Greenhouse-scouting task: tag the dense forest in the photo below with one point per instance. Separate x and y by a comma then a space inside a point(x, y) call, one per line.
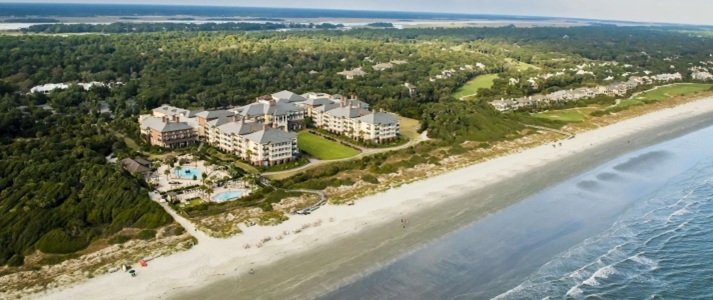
point(122, 27)
point(58, 192)
point(214, 69)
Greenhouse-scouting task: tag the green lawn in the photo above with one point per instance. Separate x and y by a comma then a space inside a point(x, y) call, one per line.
point(567, 116)
point(630, 102)
point(472, 86)
point(409, 127)
point(521, 65)
point(664, 93)
point(322, 148)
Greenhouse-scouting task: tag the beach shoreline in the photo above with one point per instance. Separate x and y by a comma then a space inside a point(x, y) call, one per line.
point(354, 240)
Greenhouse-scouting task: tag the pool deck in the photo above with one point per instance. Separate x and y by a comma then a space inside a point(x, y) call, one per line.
point(163, 183)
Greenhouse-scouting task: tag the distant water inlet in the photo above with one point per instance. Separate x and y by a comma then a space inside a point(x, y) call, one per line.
point(187, 173)
point(658, 249)
point(227, 196)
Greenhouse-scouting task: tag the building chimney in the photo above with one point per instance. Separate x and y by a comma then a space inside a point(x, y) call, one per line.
point(272, 102)
point(242, 120)
point(359, 105)
point(257, 99)
point(350, 104)
point(381, 110)
point(274, 125)
point(178, 119)
point(373, 111)
point(341, 104)
point(235, 118)
point(265, 127)
point(165, 119)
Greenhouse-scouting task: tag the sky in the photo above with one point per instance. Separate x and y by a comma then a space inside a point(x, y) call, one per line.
point(666, 11)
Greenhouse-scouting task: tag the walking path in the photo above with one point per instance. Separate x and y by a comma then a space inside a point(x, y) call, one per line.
point(366, 151)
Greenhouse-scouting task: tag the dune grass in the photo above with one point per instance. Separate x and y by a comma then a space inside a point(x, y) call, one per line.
point(322, 148)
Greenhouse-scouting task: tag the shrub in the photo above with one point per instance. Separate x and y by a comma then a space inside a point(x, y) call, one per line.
point(59, 242)
point(16, 260)
point(146, 234)
point(179, 230)
point(598, 113)
point(370, 179)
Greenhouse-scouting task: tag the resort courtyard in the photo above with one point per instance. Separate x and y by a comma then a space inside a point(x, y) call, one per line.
point(188, 182)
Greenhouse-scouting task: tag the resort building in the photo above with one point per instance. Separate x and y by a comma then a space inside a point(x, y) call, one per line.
point(168, 132)
point(209, 115)
point(356, 122)
point(255, 142)
point(281, 113)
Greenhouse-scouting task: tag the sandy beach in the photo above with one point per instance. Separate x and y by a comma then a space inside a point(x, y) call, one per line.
point(226, 261)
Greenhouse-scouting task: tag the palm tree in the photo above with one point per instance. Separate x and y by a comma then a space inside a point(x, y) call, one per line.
point(167, 172)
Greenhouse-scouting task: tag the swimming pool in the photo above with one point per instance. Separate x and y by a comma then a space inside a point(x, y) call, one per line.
point(225, 196)
point(187, 173)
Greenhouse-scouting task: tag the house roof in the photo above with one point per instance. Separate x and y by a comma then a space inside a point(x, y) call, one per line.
point(289, 96)
point(157, 123)
point(410, 86)
point(355, 103)
point(142, 161)
point(171, 110)
point(379, 118)
point(272, 136)
point(318, 101)
point(348, 112)
point(133, 167)
point(220, 121)
point(354, 72)
point(260, 108)
point(212, 114)
point(383, 66)
point(239, 128)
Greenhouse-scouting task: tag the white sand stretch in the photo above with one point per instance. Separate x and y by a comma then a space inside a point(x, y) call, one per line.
point(213, 259)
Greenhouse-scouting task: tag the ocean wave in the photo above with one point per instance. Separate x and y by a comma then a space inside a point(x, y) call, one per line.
point(641, 259)
point(574, 292)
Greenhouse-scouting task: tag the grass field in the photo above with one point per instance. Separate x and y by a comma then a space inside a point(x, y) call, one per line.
point(521, 65)
point(567, 116)
point(409, 127)
point(322, 148)
point(664, 93)
point(472, 86)
point(630, 102)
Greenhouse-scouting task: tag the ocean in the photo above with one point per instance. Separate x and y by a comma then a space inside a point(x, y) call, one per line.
point(636, 227)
